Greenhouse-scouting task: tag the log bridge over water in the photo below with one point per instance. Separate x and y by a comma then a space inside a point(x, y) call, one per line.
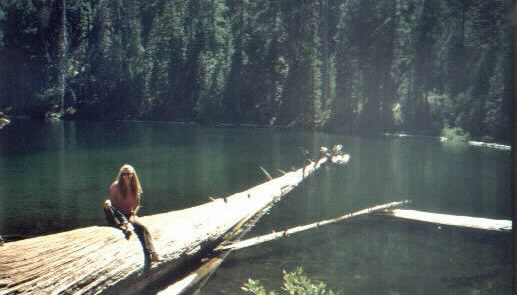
point(99, 259)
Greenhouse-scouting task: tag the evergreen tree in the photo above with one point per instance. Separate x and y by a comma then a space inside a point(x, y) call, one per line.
point(357, 66)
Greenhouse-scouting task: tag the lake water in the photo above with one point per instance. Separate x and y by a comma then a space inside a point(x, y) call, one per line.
point(54, 176)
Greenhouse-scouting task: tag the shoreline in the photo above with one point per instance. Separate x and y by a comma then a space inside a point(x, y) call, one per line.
point(397, 134)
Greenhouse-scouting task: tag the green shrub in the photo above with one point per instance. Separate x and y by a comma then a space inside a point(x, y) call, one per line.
point(295, 283)
point(455, 134)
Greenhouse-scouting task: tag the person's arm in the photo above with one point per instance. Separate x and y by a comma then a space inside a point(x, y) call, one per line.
point(135, 210)
point(111, 197)
point(113, 189)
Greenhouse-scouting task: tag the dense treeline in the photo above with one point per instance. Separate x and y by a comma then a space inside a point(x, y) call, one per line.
point(353, 66)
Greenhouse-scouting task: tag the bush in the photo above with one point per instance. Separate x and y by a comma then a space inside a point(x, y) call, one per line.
point(295, 283)
point(456, 134)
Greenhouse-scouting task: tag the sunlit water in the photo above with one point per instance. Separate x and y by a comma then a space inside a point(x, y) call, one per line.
point(55, 176)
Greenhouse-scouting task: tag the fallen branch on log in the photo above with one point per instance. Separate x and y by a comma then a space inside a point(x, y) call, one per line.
point(452, 220)
point(276, 235)
point(266, 173)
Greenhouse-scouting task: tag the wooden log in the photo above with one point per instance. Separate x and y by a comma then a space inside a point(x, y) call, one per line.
point(452, 220)
point(276, 235)
point(204, 271)
point(405, 135)
point(99, 259)
point(490, 145)
point(193, 283)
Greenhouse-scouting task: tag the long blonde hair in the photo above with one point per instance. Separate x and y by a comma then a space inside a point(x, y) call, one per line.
point(134, 185)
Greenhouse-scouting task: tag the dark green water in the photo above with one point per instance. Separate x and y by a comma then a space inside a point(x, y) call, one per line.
point(55, 176)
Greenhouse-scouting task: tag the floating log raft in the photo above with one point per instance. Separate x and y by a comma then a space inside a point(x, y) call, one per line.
point(452, 220)
point(99, 259)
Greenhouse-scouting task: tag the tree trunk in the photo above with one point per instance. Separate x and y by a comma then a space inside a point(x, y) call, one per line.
point(276, 235)
point(99, 259)
point(452, 220)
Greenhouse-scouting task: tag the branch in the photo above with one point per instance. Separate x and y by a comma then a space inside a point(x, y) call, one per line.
point(276, 235)
point(266, 173)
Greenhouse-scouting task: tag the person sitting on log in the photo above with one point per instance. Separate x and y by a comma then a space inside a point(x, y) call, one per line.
point(122, 206)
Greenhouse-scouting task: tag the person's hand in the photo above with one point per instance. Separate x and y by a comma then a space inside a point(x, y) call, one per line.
point(107, 204)
point(131, 218)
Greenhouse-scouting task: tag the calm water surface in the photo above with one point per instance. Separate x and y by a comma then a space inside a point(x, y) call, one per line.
point(54, 176)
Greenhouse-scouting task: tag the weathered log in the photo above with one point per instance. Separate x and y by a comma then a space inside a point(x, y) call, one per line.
point(490, 145)
point(405, 135)
point(202, 273)
point(452, 220)
point(193, 282)
point(99, 259)
point(276, 235)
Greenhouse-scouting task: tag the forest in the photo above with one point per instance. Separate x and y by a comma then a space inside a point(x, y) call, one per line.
point(348, 66)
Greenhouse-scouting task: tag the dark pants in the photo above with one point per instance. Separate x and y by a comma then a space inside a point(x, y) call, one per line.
point(117, 218)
